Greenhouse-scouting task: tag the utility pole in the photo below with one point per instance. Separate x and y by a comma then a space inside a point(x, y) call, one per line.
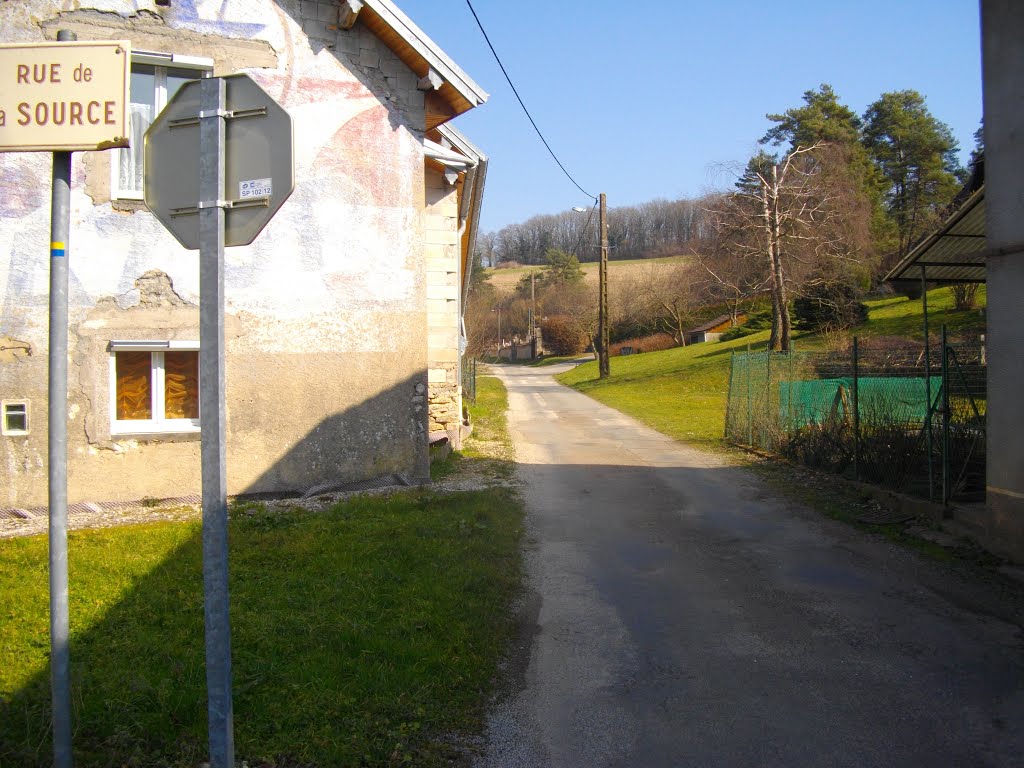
point(533, 307)
point(602, 314)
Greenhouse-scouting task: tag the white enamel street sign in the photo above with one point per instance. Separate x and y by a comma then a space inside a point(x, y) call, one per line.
point(64, 97)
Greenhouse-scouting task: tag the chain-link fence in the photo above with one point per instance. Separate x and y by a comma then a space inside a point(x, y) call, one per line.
point(468, 372)
point(886, 412)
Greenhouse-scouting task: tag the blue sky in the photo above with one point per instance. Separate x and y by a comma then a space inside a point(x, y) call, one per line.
point(647, 99)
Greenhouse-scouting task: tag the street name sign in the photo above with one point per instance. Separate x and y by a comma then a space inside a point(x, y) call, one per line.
point(259, 164)
point(64, 97)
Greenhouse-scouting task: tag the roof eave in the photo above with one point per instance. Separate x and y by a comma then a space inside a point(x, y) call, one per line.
point(433, 58)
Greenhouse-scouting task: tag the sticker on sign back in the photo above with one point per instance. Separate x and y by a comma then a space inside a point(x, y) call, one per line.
point(254, 188)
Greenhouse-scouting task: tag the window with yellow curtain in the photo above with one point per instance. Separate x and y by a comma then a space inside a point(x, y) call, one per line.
point(181, 385)
point(155, 389)
point(134, 385)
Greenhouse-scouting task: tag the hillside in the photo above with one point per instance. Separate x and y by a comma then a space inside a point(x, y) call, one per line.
point(505, 279)
point(682, 391)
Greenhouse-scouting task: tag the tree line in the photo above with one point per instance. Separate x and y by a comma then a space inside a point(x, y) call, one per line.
point(655, 228)
point(815, 218)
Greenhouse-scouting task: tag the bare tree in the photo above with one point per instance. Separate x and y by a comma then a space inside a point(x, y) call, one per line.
point(787, 213)
point(671, 295)
point(730, 274)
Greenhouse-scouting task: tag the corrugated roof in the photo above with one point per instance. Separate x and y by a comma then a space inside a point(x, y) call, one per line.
point(953, 254)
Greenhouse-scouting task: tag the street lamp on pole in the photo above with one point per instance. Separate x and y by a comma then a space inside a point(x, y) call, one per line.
point(498, 310)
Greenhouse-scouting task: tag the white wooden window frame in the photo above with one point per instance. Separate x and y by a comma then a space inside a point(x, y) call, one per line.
point(8, 407)
point(161, 62)
point(155, 426)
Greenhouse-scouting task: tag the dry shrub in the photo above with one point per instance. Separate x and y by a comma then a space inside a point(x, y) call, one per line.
point(964, 295)
point(563, 336)
point(888, 343)
point(836, 339)
point(653, 343)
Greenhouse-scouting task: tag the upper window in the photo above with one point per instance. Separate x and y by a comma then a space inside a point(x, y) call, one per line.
point(154, 81)
point(154, 386)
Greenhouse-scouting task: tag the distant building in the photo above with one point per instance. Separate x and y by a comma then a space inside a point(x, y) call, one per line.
point(713, 329)
point(343, 319)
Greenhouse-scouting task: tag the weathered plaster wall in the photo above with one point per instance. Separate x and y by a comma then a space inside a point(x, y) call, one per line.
point(326, 311)
point(441, 233)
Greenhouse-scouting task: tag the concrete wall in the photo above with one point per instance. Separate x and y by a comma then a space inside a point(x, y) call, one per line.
point(1003, 73)
point(443, 257)
point(326, 311)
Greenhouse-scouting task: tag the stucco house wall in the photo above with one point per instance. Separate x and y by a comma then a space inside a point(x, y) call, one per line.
point(327, 333)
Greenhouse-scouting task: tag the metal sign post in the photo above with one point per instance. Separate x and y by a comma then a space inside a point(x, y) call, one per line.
point(243, 150)
point(214, 467)
point(60, 98)
point(57, 447)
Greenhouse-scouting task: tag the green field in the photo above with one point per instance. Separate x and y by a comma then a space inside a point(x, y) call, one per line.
point(367, 634)
point(682, 392)
point(505, 279)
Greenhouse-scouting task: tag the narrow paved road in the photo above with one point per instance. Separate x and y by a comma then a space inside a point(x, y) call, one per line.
point(678, 614)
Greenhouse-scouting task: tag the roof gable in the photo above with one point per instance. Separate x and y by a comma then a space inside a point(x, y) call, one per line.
point(450, 91)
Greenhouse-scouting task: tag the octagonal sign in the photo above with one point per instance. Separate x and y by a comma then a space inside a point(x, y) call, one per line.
point(259, 162)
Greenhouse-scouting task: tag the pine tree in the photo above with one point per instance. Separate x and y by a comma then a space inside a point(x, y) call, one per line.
point(824, 120)
point(917, 156)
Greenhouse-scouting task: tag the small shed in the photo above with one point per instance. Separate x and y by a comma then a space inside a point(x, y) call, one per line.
point(713, 329)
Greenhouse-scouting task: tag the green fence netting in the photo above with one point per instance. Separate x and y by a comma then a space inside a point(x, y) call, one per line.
point(894, 414)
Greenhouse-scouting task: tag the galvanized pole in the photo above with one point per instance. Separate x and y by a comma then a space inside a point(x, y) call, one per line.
point(212, 421)
point(604, 366)
point(57, 439)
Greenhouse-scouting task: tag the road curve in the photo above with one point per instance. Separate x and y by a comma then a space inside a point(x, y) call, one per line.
point(678, 614)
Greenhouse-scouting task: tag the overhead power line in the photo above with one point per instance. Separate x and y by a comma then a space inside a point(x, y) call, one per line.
point(528, 115)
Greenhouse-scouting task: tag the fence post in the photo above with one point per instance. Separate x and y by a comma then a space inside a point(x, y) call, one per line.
point(789, 387)
point(768, 397)
point(927, 387)
point(856, 410)
point(750, 405)
point(945, 419)
point(728, 398)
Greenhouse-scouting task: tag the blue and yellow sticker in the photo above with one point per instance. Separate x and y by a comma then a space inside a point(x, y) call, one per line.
point(56, 249)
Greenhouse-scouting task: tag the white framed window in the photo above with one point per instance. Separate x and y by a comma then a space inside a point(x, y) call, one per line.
point(155, 78)
point(15, 417)
point(154, 387)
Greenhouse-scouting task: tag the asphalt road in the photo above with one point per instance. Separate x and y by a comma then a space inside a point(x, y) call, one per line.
point(679, 614)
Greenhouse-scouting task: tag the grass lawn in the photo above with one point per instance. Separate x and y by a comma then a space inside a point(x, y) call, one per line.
point(900, 316)
point(682, 392)
point(364, 635)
